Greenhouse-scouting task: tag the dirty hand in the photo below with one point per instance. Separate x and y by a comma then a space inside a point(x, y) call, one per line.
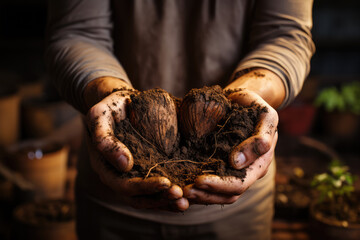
point(111, 157)
point(256, 152)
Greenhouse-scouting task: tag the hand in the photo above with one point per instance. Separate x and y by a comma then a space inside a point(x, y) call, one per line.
point(112, 157)
point(256, 152)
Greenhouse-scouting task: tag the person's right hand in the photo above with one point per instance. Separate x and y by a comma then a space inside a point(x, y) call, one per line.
point(110, 157)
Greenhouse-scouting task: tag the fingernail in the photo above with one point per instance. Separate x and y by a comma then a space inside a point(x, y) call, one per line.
point(239, 159)
point(122, 162)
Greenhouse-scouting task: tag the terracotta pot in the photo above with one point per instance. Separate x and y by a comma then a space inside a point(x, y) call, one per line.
point(41, 117)
point(43, 165)
point(9, 116)
point(31, 90)
point(6, 190)
point(70, 183)
point(47, 220)
point(341, 124)
point(297, 120)
point(323, 228)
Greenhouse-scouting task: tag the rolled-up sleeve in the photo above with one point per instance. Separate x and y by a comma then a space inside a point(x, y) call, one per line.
point(79, 46)
point(280, 41)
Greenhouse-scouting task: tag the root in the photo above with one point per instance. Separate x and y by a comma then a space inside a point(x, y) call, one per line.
point(218, 132)
point(214, 149)
point(159, 150)
point(222, 126)
point(171, 161)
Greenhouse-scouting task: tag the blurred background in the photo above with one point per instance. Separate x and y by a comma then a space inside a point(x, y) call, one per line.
point(38, 130)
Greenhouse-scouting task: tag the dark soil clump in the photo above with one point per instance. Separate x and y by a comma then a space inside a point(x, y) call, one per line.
point(159, 149)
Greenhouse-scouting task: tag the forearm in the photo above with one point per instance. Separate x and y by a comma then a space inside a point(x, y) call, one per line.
point(79, 47)
point(280, 41)
point(265, 83)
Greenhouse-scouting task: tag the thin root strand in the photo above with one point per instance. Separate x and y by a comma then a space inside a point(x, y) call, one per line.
point(171, 161)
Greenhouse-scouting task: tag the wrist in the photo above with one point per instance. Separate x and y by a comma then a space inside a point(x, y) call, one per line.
point(263, 82)
point(101, 87)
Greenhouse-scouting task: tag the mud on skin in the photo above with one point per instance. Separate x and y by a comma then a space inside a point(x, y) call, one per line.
point(186, 155)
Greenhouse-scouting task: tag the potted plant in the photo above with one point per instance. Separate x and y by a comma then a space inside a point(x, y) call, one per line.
point(43, 164)
point(335, 212)
point(342, 109)
point(47, 219)
point(9, 115)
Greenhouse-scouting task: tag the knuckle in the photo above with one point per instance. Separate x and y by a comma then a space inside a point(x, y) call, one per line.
point(262, 145)
point(104, 144)
point(232, 200)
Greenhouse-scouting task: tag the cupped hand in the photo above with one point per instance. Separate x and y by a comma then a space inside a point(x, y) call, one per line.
point(256, 153)
point(110, 157)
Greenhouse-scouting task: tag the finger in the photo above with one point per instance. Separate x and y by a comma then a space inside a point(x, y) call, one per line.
point(179, 205)
point(259, 167)
point(244, 97)
point(101, 125)
point(126, 186)
point(174, 192)
point(233, 185)
point(197, 196)
point(258, 144)
point(114, 105)
point(222, 185)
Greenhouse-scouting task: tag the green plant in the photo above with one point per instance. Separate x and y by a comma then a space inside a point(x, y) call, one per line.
point(338, 182)
point(335, 190)
point(347, 98)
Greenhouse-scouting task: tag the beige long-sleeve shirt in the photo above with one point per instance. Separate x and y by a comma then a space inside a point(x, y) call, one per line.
point(176, 45)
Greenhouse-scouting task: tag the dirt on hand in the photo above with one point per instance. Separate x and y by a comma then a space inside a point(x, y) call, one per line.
point(183, 138)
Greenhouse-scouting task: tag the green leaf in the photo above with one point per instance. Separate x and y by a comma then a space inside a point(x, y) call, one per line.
point(349, 179)
point(336, 183)
point(347, 99)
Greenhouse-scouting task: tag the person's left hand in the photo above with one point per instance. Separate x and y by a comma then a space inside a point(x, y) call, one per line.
point(256, 153)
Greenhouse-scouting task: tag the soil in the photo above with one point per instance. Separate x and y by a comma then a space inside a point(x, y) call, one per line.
point(188, 155)
point(46, 212)
point(292, 201)
point(343, 209)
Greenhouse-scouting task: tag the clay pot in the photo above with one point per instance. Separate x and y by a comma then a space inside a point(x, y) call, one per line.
point(6, 190)
point(44, 165)
point(30, 90)
point(298, 159)
point(9, 116)
point(70, 183)
point(344, 124)
point(297, 120)
point(324, 228)
point(41, 117)
point(47, 220)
